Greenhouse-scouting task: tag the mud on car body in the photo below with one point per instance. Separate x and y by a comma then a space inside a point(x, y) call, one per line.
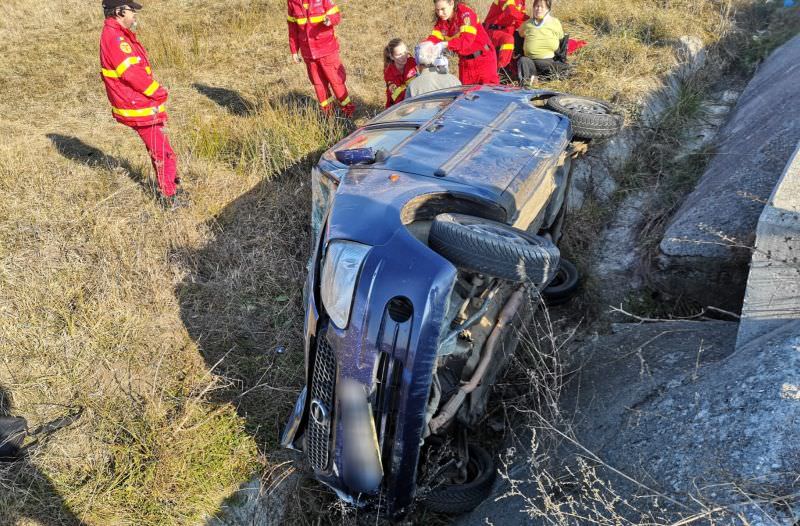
point(432, 223)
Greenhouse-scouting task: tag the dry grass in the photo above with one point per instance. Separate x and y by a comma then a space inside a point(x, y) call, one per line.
point(163, 326)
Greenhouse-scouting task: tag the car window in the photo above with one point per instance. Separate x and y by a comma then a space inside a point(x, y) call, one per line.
point(380, 139)
point(419, 111)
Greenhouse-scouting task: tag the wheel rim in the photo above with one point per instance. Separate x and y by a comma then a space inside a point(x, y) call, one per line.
point(499, 233)
point(584, 106)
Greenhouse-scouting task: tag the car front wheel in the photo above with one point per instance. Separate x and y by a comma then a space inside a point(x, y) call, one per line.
point(493, 248)
point(460, 497)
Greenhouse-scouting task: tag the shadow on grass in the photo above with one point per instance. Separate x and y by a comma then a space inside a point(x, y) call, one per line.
point(229, 99)
point(76, 150)
point(242, 301)
point(242, 304)
point(27, 494)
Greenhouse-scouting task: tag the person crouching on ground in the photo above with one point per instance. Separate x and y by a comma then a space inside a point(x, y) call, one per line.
point(398, 70)
point(542, 36)
point(137, 100)
point(458, 29)
point(433, 73)
point(312, 40)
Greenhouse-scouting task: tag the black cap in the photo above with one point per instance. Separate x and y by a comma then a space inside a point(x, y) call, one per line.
point(112, 4)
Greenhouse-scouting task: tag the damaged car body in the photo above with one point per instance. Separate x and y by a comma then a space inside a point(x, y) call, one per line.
point(433, 224)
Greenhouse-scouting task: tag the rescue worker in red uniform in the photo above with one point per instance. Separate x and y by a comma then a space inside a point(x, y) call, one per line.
point(399, 69)
point(502, 20)
point(312, 37)
point(458, 29)
point(137, 100)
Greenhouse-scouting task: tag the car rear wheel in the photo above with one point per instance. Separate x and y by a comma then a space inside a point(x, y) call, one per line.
point(493, 248)
point(564, 285)
point(590, 118)
point(455, 498)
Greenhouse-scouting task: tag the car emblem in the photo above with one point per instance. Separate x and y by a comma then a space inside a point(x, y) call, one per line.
point(319, 413)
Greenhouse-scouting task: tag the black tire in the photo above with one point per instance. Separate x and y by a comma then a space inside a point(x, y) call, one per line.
point(493, 248)
point(461, 498)
point(590, 118)
point(564, 285)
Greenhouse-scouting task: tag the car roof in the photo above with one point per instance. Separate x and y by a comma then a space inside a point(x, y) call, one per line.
point(475, 135)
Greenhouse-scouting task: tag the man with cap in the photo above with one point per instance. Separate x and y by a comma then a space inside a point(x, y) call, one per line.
point(137, 100)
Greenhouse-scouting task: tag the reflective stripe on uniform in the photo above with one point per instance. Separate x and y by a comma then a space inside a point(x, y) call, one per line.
point(468, 29)
point(509, 3)
point(144, 112)
point(326, 102)
point(151, 88)
point(345, 102)
point(399, 90)
point(148, 70)
point(437, 34)
point(507, 47)
point(122, 68)
point(314, 19)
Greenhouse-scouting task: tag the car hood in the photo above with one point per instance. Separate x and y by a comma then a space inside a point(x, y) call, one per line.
point(369, 202)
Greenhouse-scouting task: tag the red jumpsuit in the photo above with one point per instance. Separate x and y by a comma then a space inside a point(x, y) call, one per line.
point(465, 36)
point(502, 20)
point(137, 100)
point(396, 82)
point(317, 43)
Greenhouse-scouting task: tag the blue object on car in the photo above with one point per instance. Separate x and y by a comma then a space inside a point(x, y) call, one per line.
point(356, 156)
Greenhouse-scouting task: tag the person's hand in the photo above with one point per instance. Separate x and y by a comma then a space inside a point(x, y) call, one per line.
point(327, 21)
point(163, 95)
point(440, 47)
point(296, 58)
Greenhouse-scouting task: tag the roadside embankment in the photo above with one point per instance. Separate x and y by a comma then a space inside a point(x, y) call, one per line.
point(706, 249)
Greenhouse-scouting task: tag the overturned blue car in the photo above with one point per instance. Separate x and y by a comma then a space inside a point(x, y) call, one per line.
point(435, 223)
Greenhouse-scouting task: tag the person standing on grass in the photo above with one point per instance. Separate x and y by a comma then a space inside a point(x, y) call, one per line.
point(398, 70)
point(137, 100)
point(542, 36)
point(312, 40)
point(502, 20)
point(458, 29)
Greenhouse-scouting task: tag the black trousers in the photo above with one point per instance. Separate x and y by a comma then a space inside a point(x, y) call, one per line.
point(527, 68)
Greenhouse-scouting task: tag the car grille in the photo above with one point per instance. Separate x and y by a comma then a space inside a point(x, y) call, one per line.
point(323, 383)
point(390, 372)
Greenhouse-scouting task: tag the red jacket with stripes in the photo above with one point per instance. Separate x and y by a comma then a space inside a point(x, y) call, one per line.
point(396, 81)
point(136, 98)
point(463, 32)
point(308, 33)
point(507, 14)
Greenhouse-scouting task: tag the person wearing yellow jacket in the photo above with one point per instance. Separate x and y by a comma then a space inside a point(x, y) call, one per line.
point(542, 35)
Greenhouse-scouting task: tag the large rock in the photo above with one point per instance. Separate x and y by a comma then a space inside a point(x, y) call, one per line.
point(706, 249)
point(678, 408)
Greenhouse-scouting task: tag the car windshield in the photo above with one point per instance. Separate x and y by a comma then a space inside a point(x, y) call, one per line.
point(420, 111)
point(380, 139)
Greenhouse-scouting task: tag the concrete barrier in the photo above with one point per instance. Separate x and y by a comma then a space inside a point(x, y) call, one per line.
point(705, 251)
point(772, 297)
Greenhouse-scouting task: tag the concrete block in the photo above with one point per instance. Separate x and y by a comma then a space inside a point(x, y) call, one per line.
point(772, 299)
point(706, 248)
